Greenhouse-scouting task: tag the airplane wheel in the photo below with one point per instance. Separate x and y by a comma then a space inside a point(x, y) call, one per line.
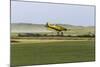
point(61, 33)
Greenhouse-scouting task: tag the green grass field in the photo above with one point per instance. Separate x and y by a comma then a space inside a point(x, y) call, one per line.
point(52, 52)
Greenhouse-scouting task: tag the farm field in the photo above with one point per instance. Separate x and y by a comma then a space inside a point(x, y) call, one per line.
point(33, 52)
point(44, 47)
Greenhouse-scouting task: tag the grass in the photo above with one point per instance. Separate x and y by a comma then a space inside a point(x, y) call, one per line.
point(52, 52)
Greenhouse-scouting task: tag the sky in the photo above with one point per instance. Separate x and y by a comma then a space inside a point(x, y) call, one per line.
point(41, 13)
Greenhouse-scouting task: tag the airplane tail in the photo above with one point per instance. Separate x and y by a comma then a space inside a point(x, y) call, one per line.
point(47, 24)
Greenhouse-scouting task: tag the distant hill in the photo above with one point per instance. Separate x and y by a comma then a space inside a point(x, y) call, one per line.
point(37, 28)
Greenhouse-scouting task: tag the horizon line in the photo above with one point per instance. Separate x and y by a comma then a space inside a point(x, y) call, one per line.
point(54, 23)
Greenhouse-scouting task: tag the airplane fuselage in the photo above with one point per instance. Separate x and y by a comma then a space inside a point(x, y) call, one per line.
point(56, 27)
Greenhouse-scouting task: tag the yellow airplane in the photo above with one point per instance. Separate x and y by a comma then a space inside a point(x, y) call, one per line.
point(57, 28)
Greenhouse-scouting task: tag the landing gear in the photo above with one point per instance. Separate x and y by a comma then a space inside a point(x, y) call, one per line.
point(59, 33)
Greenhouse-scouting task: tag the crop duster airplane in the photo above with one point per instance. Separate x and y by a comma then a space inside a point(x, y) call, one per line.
point(57, 28)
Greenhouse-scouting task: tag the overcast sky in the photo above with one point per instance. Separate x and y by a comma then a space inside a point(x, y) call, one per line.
point(40, 13)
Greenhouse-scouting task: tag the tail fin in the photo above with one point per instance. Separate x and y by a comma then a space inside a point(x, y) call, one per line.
point(47, 24)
